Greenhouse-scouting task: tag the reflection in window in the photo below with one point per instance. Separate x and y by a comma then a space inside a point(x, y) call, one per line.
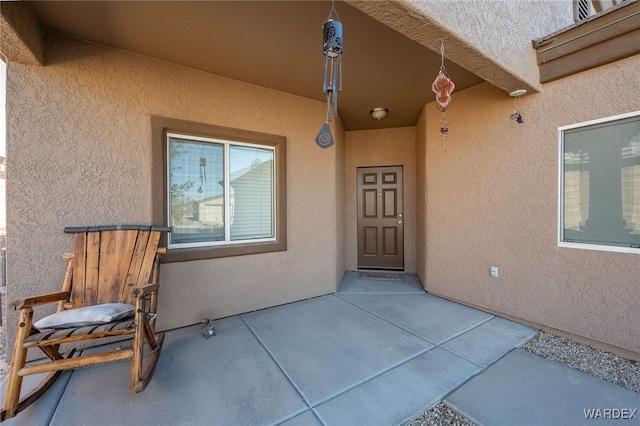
point(601, 183)
point(220, 191)
point(583, 9)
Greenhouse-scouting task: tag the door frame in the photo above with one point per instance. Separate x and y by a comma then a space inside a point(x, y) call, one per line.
point(386, 220)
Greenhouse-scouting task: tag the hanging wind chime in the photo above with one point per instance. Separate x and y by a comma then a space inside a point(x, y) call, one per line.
point(332, 47)
point(443, 87)
point(203, 172)
point(516, 112)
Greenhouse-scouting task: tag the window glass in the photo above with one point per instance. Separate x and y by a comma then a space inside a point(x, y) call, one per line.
point(252, 192)
point(220, 191)
point(601, 183)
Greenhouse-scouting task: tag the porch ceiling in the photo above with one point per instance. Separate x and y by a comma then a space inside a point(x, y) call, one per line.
point(276, 44)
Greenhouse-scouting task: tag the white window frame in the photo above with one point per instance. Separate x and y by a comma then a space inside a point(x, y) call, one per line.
point(227, 144)
point(583, 246)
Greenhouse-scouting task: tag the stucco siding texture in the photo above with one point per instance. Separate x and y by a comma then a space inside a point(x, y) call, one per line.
point(501, 29)
point(79, 139)
point(492, 200)
point(376, 148)
point(492, 38)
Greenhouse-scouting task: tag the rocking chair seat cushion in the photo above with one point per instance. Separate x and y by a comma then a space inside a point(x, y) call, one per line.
point(89, 315)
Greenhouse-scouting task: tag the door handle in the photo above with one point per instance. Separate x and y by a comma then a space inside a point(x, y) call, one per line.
point(399, 222)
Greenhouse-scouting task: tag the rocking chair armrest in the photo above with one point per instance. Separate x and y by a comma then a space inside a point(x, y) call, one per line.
point(144, 290)
point(39, 300)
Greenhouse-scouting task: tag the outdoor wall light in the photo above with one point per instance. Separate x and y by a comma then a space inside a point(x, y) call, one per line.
point(516, 115)
point(379, 113)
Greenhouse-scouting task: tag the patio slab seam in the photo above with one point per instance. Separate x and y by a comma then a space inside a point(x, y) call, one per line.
point(369, 378)
point(437, 344)
point(464, 357)
point(351, 386)
point(522, 385)
point(67, 380)
point(465, 331)
point(284, 372)
point(440, 345)
point(479, 372)
point(382, 293)
point(484, 367)
point(316, 404)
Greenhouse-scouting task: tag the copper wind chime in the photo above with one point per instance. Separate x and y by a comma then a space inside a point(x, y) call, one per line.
point(332, 46)
point(443, 87)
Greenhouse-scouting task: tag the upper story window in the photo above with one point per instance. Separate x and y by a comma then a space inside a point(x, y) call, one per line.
point(222, 190)
point(600, 184)
point(582, 9)
point(609, 35)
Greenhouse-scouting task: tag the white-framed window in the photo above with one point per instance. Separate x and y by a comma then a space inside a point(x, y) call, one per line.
point(583, 9)
point(599, 184)
point(220, 192)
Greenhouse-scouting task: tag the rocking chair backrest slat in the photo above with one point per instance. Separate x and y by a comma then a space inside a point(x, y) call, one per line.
point(136, 263)
point(148, 260)
point(115, 261)
point(79, 267)
point(110, 261)
point(91, 268)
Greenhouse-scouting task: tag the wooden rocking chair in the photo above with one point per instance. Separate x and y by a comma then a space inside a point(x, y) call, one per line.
point(110, 264)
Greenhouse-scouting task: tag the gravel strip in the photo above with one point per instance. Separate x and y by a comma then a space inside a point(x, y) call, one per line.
point(596, 362)
point(441, 415)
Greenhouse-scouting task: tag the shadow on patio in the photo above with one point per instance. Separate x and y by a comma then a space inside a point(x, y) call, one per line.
point(375, 352)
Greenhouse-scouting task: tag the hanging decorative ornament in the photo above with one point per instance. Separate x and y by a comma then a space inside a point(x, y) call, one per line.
point(444, 131)
point(203, 172)
point(324, 138)
point(332, 46)
point(516, 112)
point(443, 87)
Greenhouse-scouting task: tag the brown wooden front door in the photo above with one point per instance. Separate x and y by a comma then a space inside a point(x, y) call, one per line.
point(380, 218)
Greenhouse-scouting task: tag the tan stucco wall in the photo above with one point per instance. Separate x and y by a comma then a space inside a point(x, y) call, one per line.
point(79, 139)
point(490, 38)
point(492, 199)
point(501, 30)
point(388, 147)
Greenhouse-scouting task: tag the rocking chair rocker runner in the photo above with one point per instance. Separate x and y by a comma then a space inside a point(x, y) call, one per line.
point(109, 264)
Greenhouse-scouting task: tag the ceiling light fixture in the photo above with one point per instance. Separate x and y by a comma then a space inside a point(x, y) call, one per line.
point(379, 113)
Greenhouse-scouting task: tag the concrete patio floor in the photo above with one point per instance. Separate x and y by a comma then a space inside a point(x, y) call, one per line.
point(377, 352)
